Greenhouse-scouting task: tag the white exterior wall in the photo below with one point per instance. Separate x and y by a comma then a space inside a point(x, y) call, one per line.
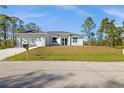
point(47, 40)
point(42, 40)
point(31, 40)
point(59, 40)
point(78, 43)
point(53, 43)
point(18, 41)
point(69, 41)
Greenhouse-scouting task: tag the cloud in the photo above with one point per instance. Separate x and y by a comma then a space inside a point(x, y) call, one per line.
point(67, 7)
point(34, 15)
point(75, 9)
point(29, 11)
point(114, 12)
point(31, 15)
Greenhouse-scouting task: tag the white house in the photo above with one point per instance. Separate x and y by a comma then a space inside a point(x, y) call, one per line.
point(52, 38)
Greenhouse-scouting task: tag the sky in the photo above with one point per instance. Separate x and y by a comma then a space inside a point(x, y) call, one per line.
point(64, 18)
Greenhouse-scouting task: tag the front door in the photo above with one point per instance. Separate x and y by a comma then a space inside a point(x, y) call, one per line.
point(64, 41)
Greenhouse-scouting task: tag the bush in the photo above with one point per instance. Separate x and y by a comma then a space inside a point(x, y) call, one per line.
point(9, 44)
point(101, 43)
point(1, 47)
point(119, 47)
point(85, 42)
point(90, 43)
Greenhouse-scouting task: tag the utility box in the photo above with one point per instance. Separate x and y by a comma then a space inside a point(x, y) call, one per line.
point(123, 51)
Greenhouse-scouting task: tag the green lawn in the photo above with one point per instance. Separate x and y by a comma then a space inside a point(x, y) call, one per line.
point(72, 53)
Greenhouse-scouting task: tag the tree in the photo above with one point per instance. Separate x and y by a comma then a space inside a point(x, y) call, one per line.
point(92, 35)
point(111, 32)
point(1, 35)
point(108, 27)
point(14, 25)
point(123, 24)
point(21, 27)
point(3, 6)
point(103, 29)
point(4, 25)
point(99, 36)
point(88, 26)
point(32, 26)
point(118, 35)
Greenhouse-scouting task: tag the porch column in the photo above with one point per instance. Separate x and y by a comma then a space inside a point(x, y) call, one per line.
point(69, 41)
point(60, 40)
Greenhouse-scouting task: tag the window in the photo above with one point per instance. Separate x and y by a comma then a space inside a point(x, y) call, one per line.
point(54, 40)
point(74, 40)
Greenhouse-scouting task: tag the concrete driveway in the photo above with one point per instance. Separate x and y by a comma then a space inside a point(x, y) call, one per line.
point(63, 74)
point(11, 52)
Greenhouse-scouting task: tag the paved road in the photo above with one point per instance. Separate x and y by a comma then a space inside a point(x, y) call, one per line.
point(61, 74)
point(11, 51)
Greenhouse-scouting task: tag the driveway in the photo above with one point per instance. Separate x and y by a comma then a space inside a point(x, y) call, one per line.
point(11, 52)
point(61, 74)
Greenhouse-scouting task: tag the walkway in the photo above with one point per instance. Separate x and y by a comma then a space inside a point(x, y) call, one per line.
point(11, 51)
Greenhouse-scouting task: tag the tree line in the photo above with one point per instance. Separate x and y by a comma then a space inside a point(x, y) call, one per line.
point(107, 34)
point(10, 25)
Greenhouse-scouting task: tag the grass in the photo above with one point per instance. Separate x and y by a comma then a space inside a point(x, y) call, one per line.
point(2, 47)
point(72, 53)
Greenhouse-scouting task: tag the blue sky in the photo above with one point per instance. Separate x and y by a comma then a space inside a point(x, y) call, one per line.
point(65, 18)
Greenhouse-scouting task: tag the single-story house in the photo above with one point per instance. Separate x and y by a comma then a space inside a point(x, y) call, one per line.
point(51, 38)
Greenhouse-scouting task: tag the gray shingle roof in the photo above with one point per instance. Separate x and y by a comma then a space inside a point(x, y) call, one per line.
point(32, 31)
point(62, 33)
point(54, 33)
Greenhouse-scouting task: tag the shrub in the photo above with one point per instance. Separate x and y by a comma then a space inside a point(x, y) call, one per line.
point(85, 42)
point(119, 47)
point(101, 43)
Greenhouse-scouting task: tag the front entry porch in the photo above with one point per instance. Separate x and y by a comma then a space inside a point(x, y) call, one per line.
point(64, 41)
